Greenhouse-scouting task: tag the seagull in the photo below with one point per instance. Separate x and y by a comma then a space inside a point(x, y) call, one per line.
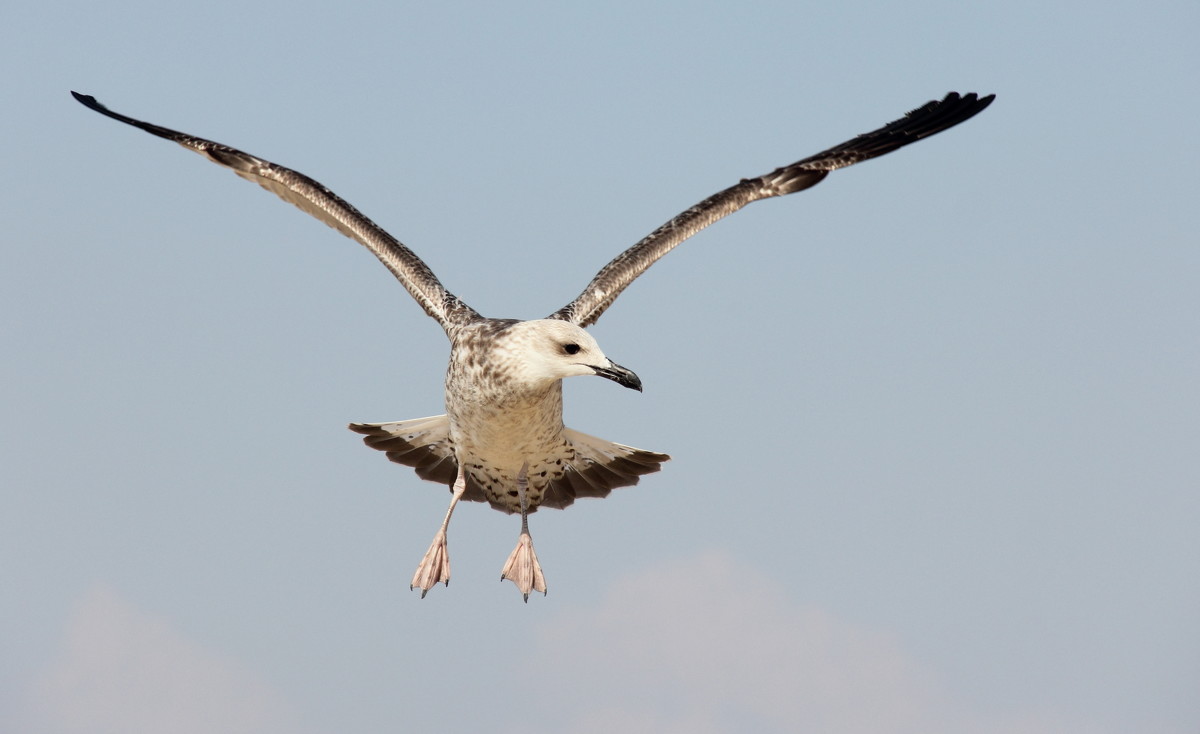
point(502, 438)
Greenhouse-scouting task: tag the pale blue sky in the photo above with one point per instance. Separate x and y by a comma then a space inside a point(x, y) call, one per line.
point(934, 422)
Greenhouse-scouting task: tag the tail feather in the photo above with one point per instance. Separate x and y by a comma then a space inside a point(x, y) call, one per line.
point(422, 443)
point(598, 468)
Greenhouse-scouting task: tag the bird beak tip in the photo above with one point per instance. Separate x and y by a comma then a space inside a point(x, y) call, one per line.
point(620, 375)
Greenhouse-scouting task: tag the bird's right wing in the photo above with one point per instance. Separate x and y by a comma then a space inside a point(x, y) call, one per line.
point(310, 196)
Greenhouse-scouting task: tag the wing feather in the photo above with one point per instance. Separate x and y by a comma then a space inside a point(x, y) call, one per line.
point(929, 119)
point(313, 198)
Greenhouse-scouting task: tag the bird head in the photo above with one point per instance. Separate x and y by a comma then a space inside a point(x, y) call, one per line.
point(549, 349)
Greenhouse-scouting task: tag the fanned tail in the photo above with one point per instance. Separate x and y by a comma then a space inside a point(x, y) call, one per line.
point(422, 443)
point(599, 467)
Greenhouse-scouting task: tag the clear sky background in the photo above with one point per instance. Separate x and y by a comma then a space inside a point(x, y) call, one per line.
point(934, 423)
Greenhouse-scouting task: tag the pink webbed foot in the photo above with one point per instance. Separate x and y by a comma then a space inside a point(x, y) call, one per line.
point(434, 567)
point(523, 568)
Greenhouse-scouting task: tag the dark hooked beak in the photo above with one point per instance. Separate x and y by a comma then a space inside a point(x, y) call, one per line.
point(619, 375)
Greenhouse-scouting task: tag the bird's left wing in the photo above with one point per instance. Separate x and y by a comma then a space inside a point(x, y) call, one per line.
point(929, 119)
point(296, 188)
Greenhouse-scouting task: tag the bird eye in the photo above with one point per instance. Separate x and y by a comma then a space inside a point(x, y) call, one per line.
point(571, 348)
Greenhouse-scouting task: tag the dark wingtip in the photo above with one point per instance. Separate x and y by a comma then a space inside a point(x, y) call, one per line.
point(971, 100)
point(983, 101)
point(86, 100)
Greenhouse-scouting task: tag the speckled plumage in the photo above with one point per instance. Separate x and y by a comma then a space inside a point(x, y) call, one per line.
point(502, 439)
point(501, 414)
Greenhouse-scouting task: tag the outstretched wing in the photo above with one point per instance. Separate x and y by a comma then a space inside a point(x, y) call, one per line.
point(312, 197)
point(929, 119)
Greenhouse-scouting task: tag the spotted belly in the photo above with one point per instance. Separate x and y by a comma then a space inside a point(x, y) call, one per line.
point(498, 480)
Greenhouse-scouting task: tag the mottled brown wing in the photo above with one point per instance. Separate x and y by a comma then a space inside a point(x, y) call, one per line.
point(929, 119)
point(313, 198)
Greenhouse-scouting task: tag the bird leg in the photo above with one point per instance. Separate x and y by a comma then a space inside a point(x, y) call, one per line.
point(435, 566)
point(523, 568)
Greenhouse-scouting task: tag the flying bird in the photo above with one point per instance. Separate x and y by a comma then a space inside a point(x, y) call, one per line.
point(502, 438)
